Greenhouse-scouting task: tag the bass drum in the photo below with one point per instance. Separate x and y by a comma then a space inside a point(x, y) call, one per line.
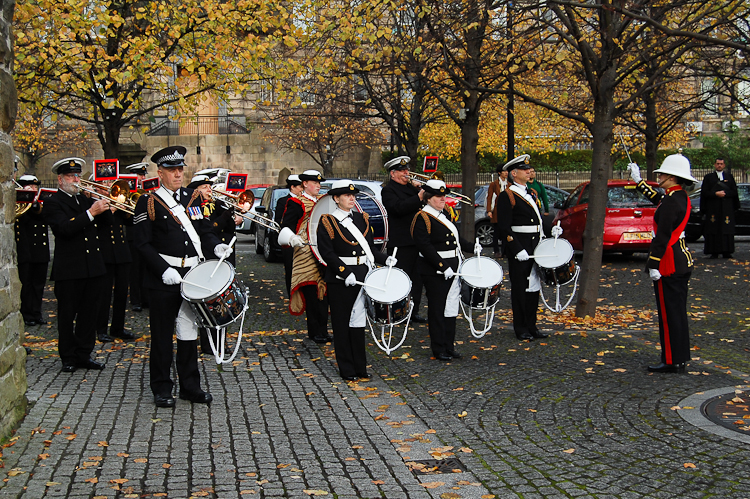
point(365, 203)
point(481, 278)
point(554, 258)
point(387, 303)
point(223, 302)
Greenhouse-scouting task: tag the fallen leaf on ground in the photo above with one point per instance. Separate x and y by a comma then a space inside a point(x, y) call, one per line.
point(569, 451)
point(432, 485)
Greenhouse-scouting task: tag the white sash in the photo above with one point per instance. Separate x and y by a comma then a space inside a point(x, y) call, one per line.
point(454, 293)
point(179, 211)
point(521, 191)
point(440, 216)
point(348, 222)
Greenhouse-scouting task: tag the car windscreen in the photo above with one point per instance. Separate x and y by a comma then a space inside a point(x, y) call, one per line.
point(626, 197)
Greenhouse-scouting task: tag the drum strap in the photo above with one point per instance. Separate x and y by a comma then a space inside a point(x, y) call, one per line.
point(178, 211)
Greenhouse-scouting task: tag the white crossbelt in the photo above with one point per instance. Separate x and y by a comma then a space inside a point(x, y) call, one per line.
point(174, 261)
point(354, 260)
point(525, 229)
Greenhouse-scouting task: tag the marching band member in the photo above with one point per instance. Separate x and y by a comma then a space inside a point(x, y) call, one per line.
point(169, 228)
point(402, 200)
point(521, 229)
point(78, 267)
point(439, 245)
point(670, 262)
point(294, 184)
point(308, 288)
point(138, 298)
point(32, 248)
point(346, 245)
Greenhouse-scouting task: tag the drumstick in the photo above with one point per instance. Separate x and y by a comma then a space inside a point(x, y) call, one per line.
point(221, 259)
point(390, 267)
point(193, 284)
point(542, 256)
point(369, 285)
point(554, 245)
point(479, 260)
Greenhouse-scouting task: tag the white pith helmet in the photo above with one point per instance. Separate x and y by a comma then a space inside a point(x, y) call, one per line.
point(677, 165)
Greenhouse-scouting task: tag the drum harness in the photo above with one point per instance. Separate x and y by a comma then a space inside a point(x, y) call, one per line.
point(489, 311)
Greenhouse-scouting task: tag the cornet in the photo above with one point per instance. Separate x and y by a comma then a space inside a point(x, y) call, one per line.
point(420, 177)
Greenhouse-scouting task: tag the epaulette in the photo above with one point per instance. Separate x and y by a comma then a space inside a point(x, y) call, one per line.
point(427, 222)
point(150, 208)
point(326, 221)
point(511, 197)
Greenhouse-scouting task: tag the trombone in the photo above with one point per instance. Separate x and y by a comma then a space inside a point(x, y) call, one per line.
point(119, 194)
point(420, 177)
point(237, 201)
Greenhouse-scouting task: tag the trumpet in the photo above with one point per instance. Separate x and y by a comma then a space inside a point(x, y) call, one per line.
point(420, 177)
point(119, 194)
point(237, 201)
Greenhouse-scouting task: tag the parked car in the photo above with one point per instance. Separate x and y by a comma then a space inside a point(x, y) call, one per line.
point(484, 229)
point(628, 221)
point(694, 229)
point(248, 226)
point(266, 241)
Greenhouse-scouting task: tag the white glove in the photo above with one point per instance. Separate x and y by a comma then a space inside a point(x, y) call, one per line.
point(477, 248)
point(296, 241)
point(635, 172)
point(557, 231)
point(449, 273)
point(350, 280)
point(654, 274)
point(522, 256)
point(222, 250)
point(170, 277)
point(391, 261)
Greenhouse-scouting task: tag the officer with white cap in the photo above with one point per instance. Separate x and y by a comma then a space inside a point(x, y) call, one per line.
point(670, 262)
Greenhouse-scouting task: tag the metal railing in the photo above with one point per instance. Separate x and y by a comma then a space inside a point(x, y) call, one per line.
point(200, 125)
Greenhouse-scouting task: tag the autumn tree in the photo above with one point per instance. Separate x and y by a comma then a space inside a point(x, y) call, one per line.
point(113, 64)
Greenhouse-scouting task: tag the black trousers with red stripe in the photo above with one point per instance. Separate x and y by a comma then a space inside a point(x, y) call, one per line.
point(671, 302)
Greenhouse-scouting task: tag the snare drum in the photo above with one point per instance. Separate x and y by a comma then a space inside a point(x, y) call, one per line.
point(481, 278)
point(391, 303)
point(555, 261)
point(223, 303)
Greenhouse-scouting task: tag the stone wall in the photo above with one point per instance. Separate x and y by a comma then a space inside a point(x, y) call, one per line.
point(12, 353)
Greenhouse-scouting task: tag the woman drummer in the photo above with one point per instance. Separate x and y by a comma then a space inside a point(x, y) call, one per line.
point(437, 240)
point(345, 243)
point(669, 261)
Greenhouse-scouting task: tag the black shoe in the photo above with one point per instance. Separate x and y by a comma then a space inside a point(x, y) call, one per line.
point(714, 257)
point(668, 368)
point(104, 338)
point(29, 323)
point(364, 375)
point(136, 308)
point(538, 334)
point(419, 319)
point(91, 364)
point(40, 321)
point(164, 400)
point(197, 398)
point(524, 336)
point(443, 356)
point(323, 339)
point(349, 378)
point(727, 255)
point(28, 351)
point(68, 368)
point(455, 354)
point(123, 335)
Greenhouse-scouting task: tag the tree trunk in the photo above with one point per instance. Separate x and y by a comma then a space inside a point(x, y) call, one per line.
point(109, 137)
point(469, 167)
point(651, 134)
point(601, 170)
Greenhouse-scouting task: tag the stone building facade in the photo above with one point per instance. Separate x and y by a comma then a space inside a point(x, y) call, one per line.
point(12, 353)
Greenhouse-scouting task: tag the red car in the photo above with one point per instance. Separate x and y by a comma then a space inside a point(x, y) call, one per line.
point(628, 223)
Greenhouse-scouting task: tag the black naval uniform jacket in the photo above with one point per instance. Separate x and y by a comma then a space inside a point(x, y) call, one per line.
point(671, 212)
point(113, 238)
point(164, 235)
point(516, 211)
point(77, 253)
point(402, 203)
point(32, 238)
point(431, 236)
point(335, 240)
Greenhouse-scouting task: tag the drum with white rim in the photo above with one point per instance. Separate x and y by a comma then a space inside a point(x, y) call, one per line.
point(217, 301)
point(481, 279)
point(387, 295)
point(554, 258)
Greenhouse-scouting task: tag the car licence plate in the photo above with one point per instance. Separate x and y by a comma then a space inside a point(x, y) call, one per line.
point(636, 236)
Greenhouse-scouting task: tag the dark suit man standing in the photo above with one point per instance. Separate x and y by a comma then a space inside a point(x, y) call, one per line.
point(402, 201)
point(78, 266)
point(169, 226)
point(521, 230)
point(32, 248)
point(719, 200)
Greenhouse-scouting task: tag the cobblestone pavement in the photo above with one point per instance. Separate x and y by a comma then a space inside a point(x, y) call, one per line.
point(575, 415)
